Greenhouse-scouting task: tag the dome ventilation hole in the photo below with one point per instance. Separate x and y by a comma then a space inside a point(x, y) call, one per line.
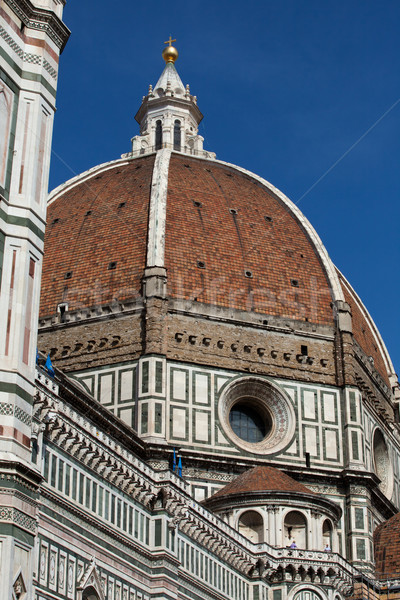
point(112, 265)
point(187, 166)
point(233, 211)
point(121, 204)
point(88, 212)
point(268, 219)
point(68, 275)
point(55, 221)
point(201, 264)
point(248, 274)
point(197, 204)
point(294, 282)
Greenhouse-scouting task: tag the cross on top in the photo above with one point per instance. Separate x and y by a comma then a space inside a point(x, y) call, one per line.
point(169, 42)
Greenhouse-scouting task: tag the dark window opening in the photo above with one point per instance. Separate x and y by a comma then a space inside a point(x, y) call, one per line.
point(248, 423)
point(177, 135)
point(62, 309)
point(308, 460)
point(304, 351)
point(158, 135)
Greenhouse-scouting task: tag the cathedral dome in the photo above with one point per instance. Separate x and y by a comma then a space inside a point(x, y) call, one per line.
point(213, 239)
point(228, 239)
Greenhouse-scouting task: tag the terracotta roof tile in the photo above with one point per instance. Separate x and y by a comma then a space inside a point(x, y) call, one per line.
point(262, 479)
point(387, 547)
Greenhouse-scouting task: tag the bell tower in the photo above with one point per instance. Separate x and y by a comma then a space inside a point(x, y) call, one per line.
point(32, 38)
point(169, 116)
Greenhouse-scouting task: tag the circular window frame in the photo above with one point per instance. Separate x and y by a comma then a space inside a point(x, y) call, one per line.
point(383, 471)
point(270, 399)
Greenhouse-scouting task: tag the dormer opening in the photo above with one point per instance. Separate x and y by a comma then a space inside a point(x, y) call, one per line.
point(158, 135)
point(177, 135)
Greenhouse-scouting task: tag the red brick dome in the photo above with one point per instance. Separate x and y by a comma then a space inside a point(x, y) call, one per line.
point(228, 239)
point(387, 548)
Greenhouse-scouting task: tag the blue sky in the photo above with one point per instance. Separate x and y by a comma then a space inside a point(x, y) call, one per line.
point(295, 91)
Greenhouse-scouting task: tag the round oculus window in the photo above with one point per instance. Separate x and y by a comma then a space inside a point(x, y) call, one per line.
point(256, 415)
point(249, 422)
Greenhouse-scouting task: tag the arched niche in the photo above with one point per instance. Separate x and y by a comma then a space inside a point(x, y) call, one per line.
point(90, 593)
point(251, 525)
point(307, 595)
point(295, 529)
point(327, 531)
point(382, 463)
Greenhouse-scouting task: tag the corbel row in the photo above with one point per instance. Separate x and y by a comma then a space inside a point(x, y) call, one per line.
point(296, 573)
point(107, 466)
point(204, 534)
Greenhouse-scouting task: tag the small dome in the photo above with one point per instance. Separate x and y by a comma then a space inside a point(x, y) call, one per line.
point(262, 479)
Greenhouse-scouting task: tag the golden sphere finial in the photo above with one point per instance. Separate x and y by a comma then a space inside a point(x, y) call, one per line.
point(170, 54)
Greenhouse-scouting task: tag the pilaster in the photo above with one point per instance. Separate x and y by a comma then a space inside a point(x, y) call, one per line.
point(33, 36)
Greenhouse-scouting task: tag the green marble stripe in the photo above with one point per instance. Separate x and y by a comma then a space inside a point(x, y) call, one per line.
point(13, 388)
point(15, 532)
point(22, 222)
point(27, 75)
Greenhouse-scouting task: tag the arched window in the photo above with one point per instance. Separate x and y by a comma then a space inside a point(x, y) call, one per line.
point(158, 135)
point(327, 534)
point(307, 595)
point(177, 135)
point(251, 525)
point(295, 530)
point(248, 422)
point(90, 594)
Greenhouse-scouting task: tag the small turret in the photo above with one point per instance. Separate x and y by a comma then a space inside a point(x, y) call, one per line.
point(169, 116)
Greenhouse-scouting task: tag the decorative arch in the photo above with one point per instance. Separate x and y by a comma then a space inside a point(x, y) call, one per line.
point(90, 586)
point(311, 592)
point(327, 533)
point(251, 525)
point(90, 593)
point(295, 529)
